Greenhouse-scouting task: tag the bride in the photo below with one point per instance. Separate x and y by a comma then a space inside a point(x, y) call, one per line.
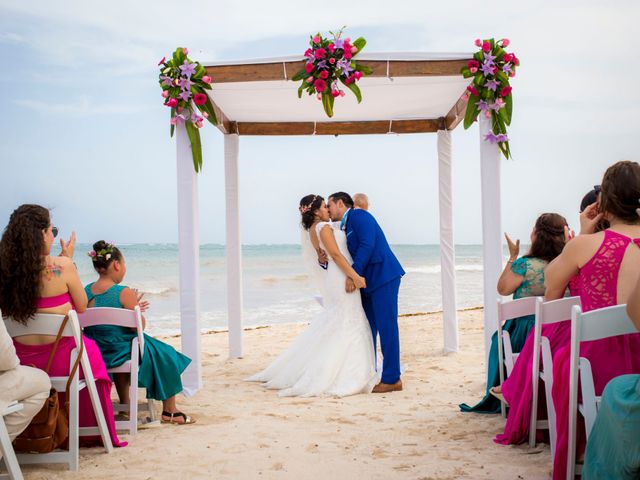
point(334, 355)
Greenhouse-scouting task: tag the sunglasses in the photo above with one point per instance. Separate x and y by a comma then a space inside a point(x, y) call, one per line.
point(54, 230)
point(597, 188)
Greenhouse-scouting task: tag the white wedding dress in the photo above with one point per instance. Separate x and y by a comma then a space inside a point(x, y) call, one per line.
point(334, 355)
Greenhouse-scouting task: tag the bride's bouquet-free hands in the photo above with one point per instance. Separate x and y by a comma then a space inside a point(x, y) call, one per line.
point(352, 284)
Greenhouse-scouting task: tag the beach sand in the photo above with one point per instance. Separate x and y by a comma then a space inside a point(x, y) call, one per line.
point(245, 432)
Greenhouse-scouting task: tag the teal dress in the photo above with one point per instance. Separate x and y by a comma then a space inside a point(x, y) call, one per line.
point(161, 364)
point(532, 269)
point(613, 449)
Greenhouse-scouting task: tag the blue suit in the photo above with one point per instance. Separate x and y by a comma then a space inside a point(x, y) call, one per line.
point(374, 260)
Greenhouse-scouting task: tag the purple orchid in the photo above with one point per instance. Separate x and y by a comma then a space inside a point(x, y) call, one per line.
point(502, 138)
point(345, 65)
point(489, 58)
point(491, 84)
point(483, 106)
point(487, 68)
point(339, 43)
point(490, 137)
point(497, 105)
point(506, 67)
point(187, 69)
point(185, 83)
point(185, 95)
point(322, 64)
point(166, 80)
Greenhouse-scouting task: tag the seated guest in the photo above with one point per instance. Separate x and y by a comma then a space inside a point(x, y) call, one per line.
point(517, 390)
point(522, 277)
point(32, 281)
point(606, 263)
point(613, 449)
point(27, 385)
point(161, 365)
point(361, 201)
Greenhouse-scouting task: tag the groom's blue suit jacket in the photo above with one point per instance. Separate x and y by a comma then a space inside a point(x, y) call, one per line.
point(372, 257)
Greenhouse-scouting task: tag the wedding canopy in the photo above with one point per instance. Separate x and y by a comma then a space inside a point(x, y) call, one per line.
point(406, 93)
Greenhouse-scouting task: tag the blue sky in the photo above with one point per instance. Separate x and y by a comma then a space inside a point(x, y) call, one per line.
point(83, 129)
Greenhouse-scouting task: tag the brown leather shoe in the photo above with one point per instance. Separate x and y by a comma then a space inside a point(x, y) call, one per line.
point(388, 387)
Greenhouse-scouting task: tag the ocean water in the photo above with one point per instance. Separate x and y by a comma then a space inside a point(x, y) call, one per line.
point(276, 287)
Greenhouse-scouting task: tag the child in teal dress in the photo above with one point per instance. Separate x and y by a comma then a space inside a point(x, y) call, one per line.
point(161, 364)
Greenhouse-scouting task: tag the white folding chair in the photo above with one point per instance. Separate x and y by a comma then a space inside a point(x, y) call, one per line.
point(546, 313)
point(585, 327)
point(130, 319)
point(6, 449)
point(49, 324)
point(508, 309)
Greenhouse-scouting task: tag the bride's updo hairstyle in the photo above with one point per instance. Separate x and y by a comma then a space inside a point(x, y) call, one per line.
point(103, 254)
point(621, 191)
point(309, 205)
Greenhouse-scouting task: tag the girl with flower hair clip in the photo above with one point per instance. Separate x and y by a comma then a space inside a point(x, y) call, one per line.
point(161, 365)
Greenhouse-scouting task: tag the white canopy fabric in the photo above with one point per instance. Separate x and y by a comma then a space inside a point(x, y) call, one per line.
point(428, 96)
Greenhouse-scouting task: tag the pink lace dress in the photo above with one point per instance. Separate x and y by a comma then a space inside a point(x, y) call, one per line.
point(609, 357)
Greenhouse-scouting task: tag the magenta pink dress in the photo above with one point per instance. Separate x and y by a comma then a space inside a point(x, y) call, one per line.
point(38, 356)
point(609, 357)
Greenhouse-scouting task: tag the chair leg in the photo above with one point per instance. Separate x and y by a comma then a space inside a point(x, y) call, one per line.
point(8, 455)
point(74, 427)
point(95, 402)
point(133, 406)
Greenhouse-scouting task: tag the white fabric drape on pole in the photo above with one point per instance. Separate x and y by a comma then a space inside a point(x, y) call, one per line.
point(189, 257)
point(490, 159)
point(234, 249)
point(447, 246)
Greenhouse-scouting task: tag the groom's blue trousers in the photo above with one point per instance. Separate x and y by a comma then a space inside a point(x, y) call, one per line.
point(381, 307)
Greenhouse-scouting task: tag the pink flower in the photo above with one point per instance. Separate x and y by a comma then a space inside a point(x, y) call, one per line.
point(319, 85)
point(180, 109)
point(199, 99)
point(486, 47)
point(310, 79)
point(316, 39)
point(348, 55)
point(332, 60)
point(173, 121)
point(324, 74)
point(473, 69)
point(347, 40)
point(512, 73)
point(354, 49)
point(199, 124)
point(165, 93)
point(186, 51)
point(172, 102)
point(473, 63)
point(331, 47)
point(205, 114)
point(472, 90)
point(516, 61)
point(320, 53)
point(307, 52)
point(487, 113)
point(478, 42)
point(358, 75)
point(505, 91)
point(335, 93)
point(319, 96)
point(206, 79)
point(342, 93)
point(505, 42)
point(507, 57)
point(309, 67)
point(162, 61)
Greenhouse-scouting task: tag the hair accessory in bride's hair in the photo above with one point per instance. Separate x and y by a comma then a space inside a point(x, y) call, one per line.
point(304, 209)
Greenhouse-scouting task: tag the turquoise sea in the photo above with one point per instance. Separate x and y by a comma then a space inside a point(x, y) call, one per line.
point(276, 287)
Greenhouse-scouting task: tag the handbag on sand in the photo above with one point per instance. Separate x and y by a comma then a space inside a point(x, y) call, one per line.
point(49, 429)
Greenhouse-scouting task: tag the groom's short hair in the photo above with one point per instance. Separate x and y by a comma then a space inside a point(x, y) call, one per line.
point(345, 197)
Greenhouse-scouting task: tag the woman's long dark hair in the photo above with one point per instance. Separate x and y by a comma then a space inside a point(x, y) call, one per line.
point(309, 205)
point(549, 241)
point(21, 261)
point(105, 254)
point(621, 190)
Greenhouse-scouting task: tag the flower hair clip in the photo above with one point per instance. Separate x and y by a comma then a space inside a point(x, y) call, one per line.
point(304, 209)
point(105, 252)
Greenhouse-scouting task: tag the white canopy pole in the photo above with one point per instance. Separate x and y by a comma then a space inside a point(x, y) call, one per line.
point(189, 256)
point(234, 249)
point(490, 160)
point(447, 248)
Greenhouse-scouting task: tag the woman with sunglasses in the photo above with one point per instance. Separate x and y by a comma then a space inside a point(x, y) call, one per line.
point(32, 281)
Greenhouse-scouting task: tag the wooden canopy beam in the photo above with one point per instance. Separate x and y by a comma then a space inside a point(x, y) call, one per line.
point(256, 72)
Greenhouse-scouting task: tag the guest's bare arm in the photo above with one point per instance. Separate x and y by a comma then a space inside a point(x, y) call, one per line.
point(76, 290)
point(329, 241)
point(509, 281)
point(563, 268)
point(129, 300)
point(633, 306)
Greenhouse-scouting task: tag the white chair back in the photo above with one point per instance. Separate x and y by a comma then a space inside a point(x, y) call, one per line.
point(131, 319)
point(594, 325)
point(507, 310)
point(550, 312)
point(49, 324)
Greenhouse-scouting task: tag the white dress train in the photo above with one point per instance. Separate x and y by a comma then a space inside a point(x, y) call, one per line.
point(334, 355)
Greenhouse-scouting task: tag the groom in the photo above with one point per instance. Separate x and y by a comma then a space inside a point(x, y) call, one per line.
point(374, 260)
